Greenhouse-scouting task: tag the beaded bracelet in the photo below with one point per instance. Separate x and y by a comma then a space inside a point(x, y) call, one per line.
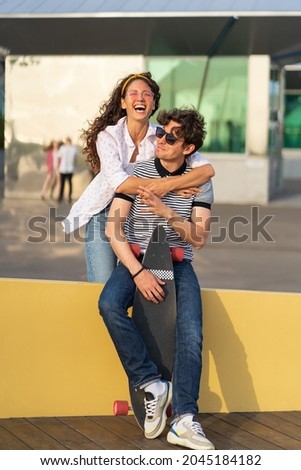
point(138, 272)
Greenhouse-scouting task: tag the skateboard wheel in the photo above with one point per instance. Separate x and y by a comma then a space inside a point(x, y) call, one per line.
point(169, 411)
point(135, 249)
point(177, 254)
point(120, 408)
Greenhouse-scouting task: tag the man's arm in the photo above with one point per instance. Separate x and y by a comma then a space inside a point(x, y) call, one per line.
point(194, 231)
point(147, 283)
point(114, 231)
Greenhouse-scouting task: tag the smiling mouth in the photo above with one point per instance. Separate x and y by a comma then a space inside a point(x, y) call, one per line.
point(139, 107)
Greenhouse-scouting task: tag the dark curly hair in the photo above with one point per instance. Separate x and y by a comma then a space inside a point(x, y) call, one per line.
point(110, 112)
point(193, 126)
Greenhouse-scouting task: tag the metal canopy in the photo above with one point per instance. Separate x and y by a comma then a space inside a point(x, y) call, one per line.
point(277, 33)
point(123, 8)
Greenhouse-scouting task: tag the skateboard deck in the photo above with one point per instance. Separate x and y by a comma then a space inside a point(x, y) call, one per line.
point(156, 322)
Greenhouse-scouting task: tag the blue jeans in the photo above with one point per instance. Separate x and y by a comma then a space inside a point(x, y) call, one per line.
point(100, 258)
point(114, 301)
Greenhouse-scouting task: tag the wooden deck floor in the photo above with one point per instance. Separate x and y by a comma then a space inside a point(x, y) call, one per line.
point(254, 431)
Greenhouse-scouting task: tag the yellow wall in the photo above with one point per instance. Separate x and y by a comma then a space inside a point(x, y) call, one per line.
point(56, 358)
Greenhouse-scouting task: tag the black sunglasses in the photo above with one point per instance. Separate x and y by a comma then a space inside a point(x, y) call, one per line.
point(170, 138)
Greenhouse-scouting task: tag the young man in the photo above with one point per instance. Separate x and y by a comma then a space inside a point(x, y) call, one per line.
point(186, 221)
point(67, 156)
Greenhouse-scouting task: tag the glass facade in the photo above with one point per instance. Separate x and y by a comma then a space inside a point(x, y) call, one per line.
point(292, 108)
point(291, 150)
point(275, 138)
point(216, 87)
point(2, 92)
point(54, 96)
point(292, 121)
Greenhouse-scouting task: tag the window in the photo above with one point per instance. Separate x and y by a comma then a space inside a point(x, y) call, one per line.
point(292, 113)
point(216, 87)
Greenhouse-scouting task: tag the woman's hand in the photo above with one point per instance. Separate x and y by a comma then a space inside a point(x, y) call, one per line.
point(160, 187)
point(188, 192)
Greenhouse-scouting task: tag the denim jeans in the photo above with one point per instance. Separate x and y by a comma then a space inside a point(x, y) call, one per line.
point(115, 299)
point(100, 258)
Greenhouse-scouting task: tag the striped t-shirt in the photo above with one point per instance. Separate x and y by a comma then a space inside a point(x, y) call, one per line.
point(140, 225)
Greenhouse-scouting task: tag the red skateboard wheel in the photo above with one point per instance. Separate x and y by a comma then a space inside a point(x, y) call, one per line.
point(169, 411)
point(135, 249)
point(177, 254)
point(120, 408)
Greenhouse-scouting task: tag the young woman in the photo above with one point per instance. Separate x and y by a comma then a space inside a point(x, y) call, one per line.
point(120, 136)
point(52, 179)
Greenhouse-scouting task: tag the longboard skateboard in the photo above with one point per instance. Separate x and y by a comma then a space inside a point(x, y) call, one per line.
point(156, 322)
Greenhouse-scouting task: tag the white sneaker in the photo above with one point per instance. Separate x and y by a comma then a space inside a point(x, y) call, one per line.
point(189, 433)
point(155, 410)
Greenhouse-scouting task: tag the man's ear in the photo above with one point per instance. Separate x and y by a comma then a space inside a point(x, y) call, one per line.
point(189, 149)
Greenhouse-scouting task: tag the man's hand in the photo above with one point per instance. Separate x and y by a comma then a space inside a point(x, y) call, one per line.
point(154, 203)
point(150, 286)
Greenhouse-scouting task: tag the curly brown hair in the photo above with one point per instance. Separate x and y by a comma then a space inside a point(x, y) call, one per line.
point(193, 125)
point(110, 112)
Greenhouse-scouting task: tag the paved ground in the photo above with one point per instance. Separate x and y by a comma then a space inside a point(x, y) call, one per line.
point(252, 248)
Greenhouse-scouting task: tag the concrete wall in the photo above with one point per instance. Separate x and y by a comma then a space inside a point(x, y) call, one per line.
point(292, 164)
point(57, 359)
point(241, 178)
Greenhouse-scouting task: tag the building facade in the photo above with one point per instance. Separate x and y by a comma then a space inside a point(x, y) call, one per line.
point(58, 66)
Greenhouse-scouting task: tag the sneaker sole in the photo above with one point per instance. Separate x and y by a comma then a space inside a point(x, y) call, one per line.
point(164, 416)
point(173, 439)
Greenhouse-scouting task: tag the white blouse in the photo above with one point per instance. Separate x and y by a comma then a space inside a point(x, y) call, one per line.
point(115, 148)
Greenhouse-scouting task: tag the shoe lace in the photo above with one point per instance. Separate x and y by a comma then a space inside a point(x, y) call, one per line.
point(150, 407)
point(197, 428)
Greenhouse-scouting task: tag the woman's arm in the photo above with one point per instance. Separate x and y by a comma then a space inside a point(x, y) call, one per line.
point(162, 186)
point(113, 168)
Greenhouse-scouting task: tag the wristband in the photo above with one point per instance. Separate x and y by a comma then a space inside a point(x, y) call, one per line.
point(138, 272)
